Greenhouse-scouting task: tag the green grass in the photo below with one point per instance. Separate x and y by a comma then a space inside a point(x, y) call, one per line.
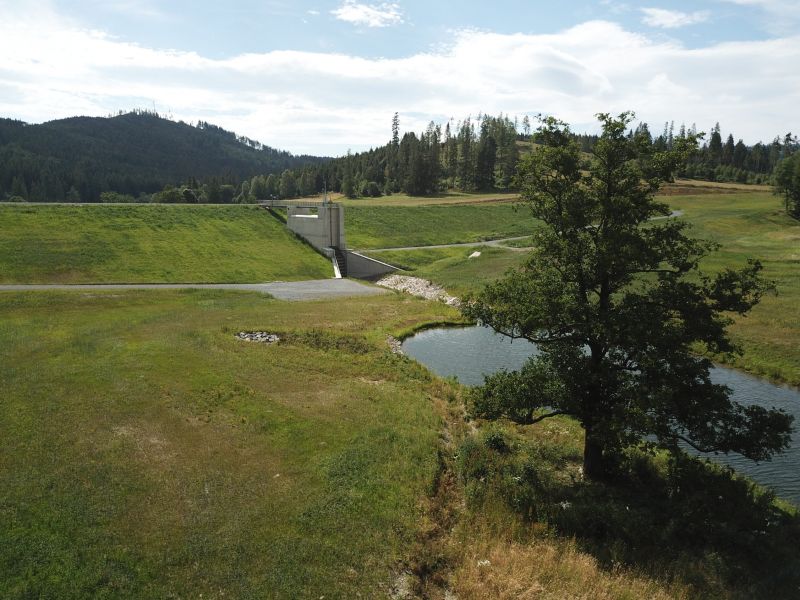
point(755, 226)
point(401, 226)
point(747, 225)
point(148, 453)
point(449, 197)
point(150, 244)
point(452, 268)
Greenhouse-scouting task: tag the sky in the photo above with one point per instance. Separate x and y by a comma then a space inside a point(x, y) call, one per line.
point(325, 76)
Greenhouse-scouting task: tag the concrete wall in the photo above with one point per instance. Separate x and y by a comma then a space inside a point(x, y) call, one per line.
point(363, 267)
point(324, 229)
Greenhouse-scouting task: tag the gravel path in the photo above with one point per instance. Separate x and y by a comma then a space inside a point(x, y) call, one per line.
point(463, 245)
point(282, 290)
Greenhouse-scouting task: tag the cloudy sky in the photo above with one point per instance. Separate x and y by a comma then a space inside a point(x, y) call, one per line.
point(322, 76)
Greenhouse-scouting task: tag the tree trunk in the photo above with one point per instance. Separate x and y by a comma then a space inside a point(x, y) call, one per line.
point(593, 463)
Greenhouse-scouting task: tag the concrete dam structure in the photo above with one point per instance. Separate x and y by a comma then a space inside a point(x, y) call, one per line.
point(321, 224)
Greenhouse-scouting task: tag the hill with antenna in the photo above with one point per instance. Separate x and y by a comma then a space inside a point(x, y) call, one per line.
point(132, 153)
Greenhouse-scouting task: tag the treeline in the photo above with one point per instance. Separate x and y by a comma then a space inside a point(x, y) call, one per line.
point(131, 155)
point(142, 157)
point(471, 155)
point(482, 155)
point(717, 160)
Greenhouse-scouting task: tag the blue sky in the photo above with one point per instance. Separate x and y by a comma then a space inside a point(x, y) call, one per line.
point(325, 76)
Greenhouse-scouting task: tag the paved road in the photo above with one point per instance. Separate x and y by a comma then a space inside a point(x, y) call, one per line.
point(282, 290)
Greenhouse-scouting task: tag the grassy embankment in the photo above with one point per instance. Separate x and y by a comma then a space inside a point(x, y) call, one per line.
point(402, 226)
point(150, 244)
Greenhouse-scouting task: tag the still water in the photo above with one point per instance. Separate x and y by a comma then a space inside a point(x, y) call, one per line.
point(470, 352)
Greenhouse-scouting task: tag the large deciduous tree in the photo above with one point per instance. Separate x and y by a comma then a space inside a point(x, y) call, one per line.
point(614, 299)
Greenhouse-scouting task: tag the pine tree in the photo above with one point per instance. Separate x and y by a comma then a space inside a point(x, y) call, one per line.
point(715, 146)
point(727, 151)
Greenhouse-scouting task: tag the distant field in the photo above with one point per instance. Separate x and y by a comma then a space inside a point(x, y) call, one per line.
point(151, 454)
point(400, 226)
point(151, 243)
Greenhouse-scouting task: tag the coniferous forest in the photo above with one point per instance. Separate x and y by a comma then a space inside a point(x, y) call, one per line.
point(129, 157)
point(142, 157)
point(482, 154)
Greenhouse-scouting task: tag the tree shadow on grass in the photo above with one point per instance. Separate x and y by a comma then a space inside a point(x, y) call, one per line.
point(683, 519)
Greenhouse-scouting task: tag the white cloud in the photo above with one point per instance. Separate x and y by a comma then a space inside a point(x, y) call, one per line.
point(324, 103)
point(781, 16)
point(672, 19)
point(369, 15)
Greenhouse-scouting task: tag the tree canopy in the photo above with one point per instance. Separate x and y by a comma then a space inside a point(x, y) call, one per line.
point(614, 298)
point(787, 183)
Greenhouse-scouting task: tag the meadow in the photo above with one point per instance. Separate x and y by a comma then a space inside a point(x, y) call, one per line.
point(150, 244)
point(148, 453)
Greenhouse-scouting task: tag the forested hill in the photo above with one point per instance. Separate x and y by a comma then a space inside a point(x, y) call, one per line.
point(134, 153)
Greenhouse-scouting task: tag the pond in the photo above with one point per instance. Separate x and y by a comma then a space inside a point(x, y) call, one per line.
point(469, 352)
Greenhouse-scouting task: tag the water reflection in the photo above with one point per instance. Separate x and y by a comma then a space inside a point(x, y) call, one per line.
point(468, 353)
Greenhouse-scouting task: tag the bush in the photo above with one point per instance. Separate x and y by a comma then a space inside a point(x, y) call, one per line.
point(370, 189)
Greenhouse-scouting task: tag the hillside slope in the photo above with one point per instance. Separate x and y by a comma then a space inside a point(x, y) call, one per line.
point(151, 244)
point(130, 153)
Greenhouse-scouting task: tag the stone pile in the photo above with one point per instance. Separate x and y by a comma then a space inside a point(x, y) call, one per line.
point(395, 345)
point(262, 337)
point(421, 288)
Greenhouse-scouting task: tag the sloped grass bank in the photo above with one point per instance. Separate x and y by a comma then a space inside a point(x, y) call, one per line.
point(150, 244)
point(148, 453)
point(402, 226)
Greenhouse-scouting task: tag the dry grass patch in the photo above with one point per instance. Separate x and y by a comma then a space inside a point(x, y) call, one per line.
point(547, 570)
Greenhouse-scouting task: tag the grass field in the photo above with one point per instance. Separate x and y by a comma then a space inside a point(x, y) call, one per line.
point(755, 226)
point(150, 244)
point(400, 226)
point(148, 453)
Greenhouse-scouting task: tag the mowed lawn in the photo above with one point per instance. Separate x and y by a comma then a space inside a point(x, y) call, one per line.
point(399, 226)
point(148, 453)
point(151, 244)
